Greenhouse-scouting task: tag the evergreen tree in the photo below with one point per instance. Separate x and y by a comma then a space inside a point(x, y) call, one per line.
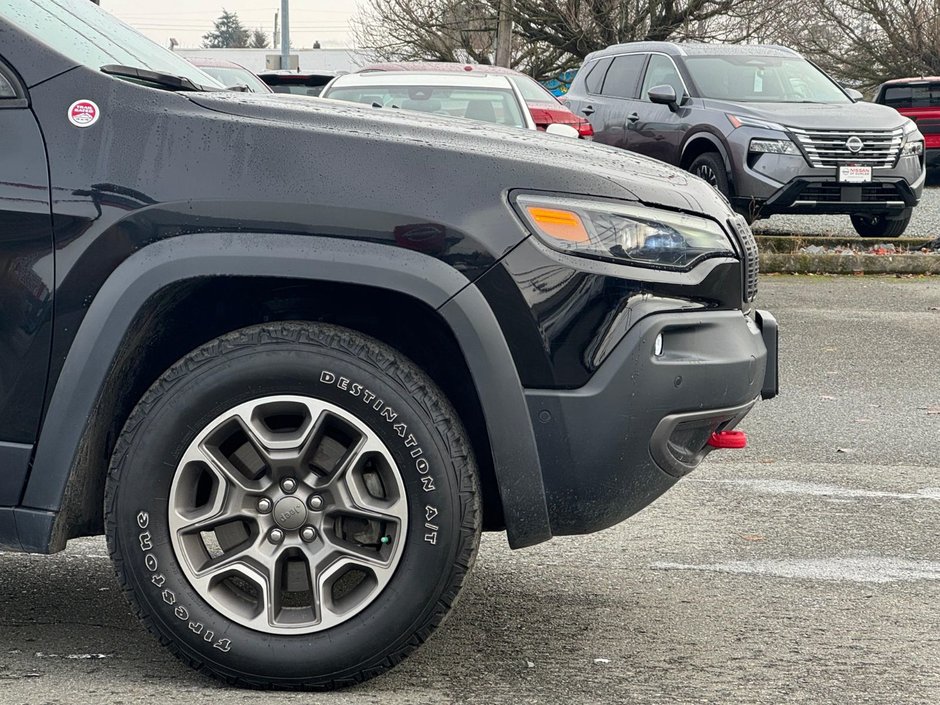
point(229, 33)
point(259, 39)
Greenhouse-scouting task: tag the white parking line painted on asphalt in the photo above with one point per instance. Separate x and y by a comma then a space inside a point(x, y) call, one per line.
point(819, 490)
point(872, 569)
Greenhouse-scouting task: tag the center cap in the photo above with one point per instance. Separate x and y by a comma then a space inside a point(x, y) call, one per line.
point(290, 513)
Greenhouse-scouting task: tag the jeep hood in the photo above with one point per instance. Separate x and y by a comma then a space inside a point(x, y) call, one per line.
point(530, 159)
point(817, 116)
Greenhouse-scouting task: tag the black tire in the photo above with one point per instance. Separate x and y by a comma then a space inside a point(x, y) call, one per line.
point(711, 167)
point(880, 225)
point(294, 358)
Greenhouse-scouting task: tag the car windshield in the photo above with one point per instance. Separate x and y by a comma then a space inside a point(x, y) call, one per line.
point(762, 79)
point(496, 105)
point(88, 35)
point(230, 76)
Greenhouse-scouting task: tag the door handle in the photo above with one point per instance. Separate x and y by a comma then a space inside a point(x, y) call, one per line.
point(588, 110)
point(633, 117)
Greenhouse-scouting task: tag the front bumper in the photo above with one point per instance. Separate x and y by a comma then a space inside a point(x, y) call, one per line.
point(825, 195)
point(786, 183)
point(611, 447)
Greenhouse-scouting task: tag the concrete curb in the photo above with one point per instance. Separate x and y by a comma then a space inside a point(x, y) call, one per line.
point(785, 255)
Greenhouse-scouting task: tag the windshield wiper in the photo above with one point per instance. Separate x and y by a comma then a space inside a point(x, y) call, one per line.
point(164, 80)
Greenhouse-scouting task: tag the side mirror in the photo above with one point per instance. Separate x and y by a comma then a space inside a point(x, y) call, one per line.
point(854, 94)
point(562, 130)
point(664, 95)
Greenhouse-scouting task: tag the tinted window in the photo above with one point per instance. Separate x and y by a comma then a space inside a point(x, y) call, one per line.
point(913, 95)
point(762, 79)
point(661, 72)
point(595, 76)
point(298, 89)
point(623, 76)
point(484, 104)
point(90, 36)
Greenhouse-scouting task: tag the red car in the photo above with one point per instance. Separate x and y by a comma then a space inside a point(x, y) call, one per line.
point(918, 99)
point(544, 108)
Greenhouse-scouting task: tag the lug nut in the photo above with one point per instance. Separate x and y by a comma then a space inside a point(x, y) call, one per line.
point(276, 536)
point(265, 506)
point(308, 534)
point(315, 503)
point(289, 484)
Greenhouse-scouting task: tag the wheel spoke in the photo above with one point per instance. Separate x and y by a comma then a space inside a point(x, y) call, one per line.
point(350, 497)
point(226, 470)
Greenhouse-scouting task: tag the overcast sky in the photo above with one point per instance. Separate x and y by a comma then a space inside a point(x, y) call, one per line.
point(326, 21)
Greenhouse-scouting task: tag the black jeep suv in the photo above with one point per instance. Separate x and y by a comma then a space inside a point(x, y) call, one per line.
point(291, 355)
point(762, 124)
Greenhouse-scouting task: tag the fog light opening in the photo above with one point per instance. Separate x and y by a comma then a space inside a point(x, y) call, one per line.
point(658, 346)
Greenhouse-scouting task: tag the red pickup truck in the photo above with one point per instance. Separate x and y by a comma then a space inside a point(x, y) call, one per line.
point(918, 99)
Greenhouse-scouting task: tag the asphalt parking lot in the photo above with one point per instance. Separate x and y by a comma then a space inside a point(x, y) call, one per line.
point(925, 223)
point(805, 569)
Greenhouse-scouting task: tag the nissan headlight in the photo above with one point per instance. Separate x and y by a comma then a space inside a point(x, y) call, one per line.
point(913, 145)
point(773, 147)
point(624, 233)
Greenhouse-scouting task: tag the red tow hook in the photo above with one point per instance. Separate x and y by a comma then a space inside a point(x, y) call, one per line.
point(728, 439)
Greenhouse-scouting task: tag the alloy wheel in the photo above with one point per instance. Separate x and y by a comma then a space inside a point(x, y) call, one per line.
point(287, 514)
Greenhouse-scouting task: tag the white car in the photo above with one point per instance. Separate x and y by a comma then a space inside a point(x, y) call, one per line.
point(493, 99)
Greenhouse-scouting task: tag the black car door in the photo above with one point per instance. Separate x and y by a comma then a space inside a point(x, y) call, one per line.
point(26, 282)
point(615, 109)
point(659, 130)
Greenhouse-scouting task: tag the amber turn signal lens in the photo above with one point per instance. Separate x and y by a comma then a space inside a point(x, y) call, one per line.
point(559, 224)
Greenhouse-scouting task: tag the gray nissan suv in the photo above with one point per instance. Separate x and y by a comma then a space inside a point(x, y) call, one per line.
point(763, 125)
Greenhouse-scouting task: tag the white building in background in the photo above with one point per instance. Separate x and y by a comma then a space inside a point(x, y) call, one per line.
point(313, 60)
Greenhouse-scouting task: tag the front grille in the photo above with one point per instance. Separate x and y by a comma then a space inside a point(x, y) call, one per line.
point(830, 148)
point(834, 192)
point(751, 259)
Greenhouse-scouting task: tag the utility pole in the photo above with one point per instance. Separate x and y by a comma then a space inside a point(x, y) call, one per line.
point(504, 34)
point(277, 39)
point(285, 34)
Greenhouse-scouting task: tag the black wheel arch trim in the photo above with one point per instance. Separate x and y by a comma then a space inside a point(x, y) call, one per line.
point(144, 274)
point(716, 141)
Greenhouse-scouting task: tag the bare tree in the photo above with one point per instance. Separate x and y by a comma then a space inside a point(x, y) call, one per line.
point(864, 42)
point(550, 36)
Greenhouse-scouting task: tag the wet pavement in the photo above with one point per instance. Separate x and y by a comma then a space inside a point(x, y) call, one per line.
point(805, 569)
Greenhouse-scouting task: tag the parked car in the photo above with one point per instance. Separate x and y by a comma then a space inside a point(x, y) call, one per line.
point(230, 74)
point(544, 107)
point(308, 83)
point(492, 99)
point(764, 126)
point(293, 381)
point(919, 100)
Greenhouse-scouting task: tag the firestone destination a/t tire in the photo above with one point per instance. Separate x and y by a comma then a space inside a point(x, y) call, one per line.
point(292, 505)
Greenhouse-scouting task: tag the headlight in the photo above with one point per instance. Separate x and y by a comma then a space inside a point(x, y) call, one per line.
point(773, 147)
point(630, 234)
point(744, 121)
point(913, 145)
